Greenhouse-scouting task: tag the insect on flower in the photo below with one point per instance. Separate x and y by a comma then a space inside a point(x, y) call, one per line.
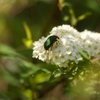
point(51, 40)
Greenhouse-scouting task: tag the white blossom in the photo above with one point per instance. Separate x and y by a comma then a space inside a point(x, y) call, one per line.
point(68, 46)
point(91, 42)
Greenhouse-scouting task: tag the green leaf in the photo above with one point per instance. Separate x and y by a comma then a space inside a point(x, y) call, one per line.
point(84, 55)
point(8, 51)
point(49, 67)
point(4, 97)
point(56, 74)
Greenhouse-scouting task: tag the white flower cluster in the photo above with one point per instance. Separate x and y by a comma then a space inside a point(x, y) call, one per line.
point(91, 43)
point(68, 46)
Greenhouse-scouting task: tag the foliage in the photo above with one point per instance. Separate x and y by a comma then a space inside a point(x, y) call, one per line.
point(24, 78)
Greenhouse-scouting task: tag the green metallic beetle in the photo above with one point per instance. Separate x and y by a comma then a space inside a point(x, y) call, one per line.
point(50, 42)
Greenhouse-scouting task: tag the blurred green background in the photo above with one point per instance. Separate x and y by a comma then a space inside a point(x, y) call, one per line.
point(25, 21)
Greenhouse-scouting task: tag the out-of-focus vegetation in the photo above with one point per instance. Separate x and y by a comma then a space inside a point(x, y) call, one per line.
point(24, 78)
